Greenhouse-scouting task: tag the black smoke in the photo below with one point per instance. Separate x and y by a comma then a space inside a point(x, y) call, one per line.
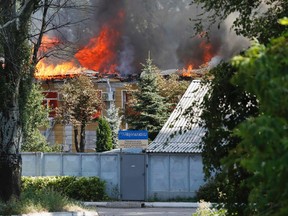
point(161, 27)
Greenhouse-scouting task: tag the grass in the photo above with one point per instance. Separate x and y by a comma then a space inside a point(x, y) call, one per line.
point(40, 201)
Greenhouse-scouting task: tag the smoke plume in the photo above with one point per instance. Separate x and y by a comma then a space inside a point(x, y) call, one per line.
point(161, 27)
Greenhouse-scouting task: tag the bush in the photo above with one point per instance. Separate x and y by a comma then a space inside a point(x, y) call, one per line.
point(87, 189)
point(61, 183)
point(79, 188)
point(104, 136)
point(209, 191)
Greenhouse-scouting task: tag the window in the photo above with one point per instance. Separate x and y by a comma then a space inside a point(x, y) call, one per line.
point(51, 101)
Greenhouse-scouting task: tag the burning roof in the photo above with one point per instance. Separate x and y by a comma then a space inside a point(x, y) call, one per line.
point(117, 38)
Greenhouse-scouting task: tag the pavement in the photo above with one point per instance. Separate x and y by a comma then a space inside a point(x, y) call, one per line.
point(129, 208)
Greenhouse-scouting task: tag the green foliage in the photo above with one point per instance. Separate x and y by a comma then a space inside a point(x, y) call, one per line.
point(256, 19)
point(80, 101)
point(263, 71)
point(87, 189)
point(79, 188)
point(209, 191)
point(224, 107)
point(149, 107)
point(35, 115)
point(171, 88)
point(104, 135)
point(57, 183)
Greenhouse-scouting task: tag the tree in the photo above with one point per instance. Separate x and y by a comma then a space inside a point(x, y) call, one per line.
point(222, 103)
point(255, 19)
point(114, 121)
point(149, 110)
point(263, 148)
point(171, 88)
point(35, 116)
point(15, 74)
point(104, 136)
point(80, 102)
point(16, 77)
point(224, 107)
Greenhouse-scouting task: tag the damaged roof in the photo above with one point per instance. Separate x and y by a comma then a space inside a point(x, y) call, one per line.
point(182, 132)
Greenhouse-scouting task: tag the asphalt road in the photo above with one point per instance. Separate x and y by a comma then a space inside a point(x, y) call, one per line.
point(145, 211)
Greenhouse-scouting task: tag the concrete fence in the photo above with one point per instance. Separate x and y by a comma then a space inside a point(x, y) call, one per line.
point(165, 176)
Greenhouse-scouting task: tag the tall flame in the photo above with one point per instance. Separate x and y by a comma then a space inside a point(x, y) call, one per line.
point(100, 54)
point(207, 47)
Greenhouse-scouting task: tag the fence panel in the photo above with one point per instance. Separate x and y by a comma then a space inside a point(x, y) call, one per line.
point(52, 164)
point(167, 176)
point(172, 176)
point(91, 165)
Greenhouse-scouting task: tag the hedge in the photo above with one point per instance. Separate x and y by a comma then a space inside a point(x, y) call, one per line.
point(78, 188)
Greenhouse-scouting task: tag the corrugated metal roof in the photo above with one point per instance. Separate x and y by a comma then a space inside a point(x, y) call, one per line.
point(182, 133)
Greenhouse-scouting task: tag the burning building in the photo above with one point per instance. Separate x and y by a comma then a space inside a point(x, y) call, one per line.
point(114, 41)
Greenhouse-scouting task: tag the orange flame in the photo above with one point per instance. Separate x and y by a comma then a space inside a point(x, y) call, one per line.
point(100, 54)
point(187, 72)
point(207, 47)
point(207, 55)
point(46, 71)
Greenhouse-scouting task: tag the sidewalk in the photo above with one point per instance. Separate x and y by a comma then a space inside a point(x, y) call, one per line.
point(119, 204)
point(86, 213)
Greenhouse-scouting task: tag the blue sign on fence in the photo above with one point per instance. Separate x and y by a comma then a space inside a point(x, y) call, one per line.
point(133, 134)
point(133, 138)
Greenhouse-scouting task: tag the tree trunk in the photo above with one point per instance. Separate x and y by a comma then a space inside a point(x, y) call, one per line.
point(10, 176)
point(10, 159)
point(82, 137)
point(76, 138)
point(14, 23)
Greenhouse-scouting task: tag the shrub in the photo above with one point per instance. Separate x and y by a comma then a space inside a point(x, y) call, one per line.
point(34, 183)
point(87, 189)
point(61, 183)
point(79, 188)
point(209, 191)
point(104, 135)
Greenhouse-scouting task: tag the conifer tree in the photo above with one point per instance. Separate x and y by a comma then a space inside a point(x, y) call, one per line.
point(34, 115)
point(149, 107)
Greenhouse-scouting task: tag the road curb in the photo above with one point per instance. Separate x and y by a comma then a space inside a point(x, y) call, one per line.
point(171, 204)
point(143, 204)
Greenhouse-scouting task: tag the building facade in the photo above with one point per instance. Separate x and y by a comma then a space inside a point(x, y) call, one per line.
point(113, 91)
